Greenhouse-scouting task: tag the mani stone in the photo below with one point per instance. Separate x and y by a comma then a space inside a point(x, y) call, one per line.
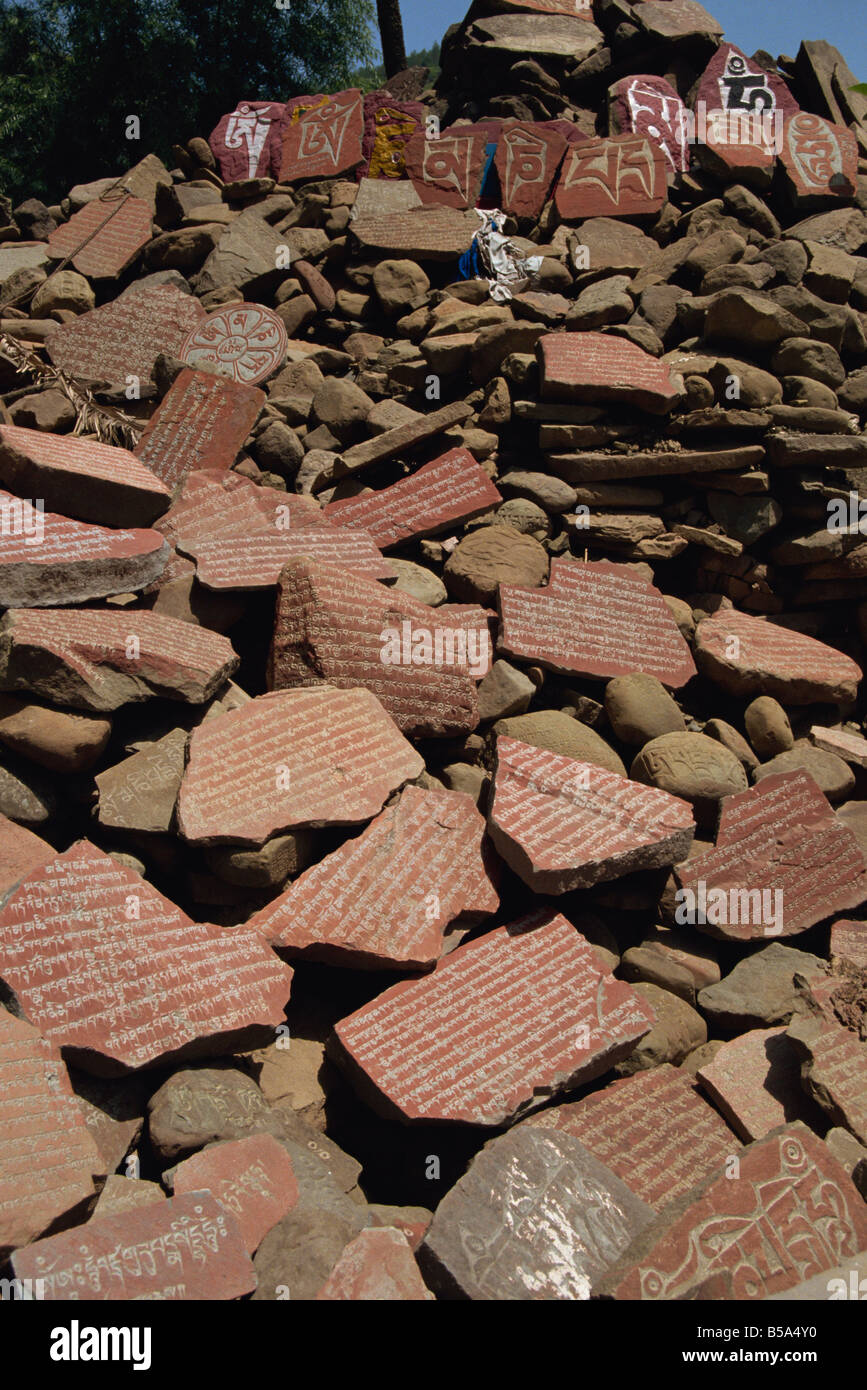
point(256, 560)
point(562, 824)
point(251, 1178)
point(292, 758)
point(652, 1129)
point(448, 171)
point(94, 659)
point(755, 1081)
point(47, 1157)
point(200, 1106)
point(140, 793)
point(623, 176)
point(744, 655)
point(245, 343)
point(650, 107)
point(782, 862)
point(597, 367)
point(104, 237)
point(527, 159)
point(186, 1248)
point(125, 337)
point(833, 1071)
point(503, 1023)
point(791, 1212)
point(848, 944)
point(120, 1195)
point(535, 1217)
point(322, 136)
point(201, 423)
point(334, 627)
point(81, 478)
point(389, 125)
point(116, 975)
point(20, 853)
point(246, 141)
point(421, 234)
point(450, 489)
point(385, 899)
point(377, 1266)
point(594, 619)
point(820, 158)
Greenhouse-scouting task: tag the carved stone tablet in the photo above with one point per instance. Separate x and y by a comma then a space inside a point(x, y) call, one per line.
point(81, 478)
point(448, 171)
point(527, 159)
point(378, 1265)
point(125, 337)
point(322, 136)
point(755, 1080)
point(749, 656)
point(427, 233)
point(252, 1179)
point(246, 343)
point(389, 125)
point(833, 1070)
point(104, 237)
point(624, 176)
point(821, 159)
point(201, 422)
point(649, 106)
point(596, 367)
point(246, 141)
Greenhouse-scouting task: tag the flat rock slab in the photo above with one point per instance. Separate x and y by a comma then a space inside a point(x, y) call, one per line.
point(535, 1217)
point(47, 1157)
point(562, 824)
point(422, 663)
point(448, 171)
point(597, 367)
point(140, 792)
point(125, 337)
point(502, 1024)
point(833, 1071)
point(385, 899)
point(292, 758)
point(748, 656)
point(246, 142)
point(322, 136)
point(528, 157)
point(649, 106)
point(820, 158)
point(848, 944)
point(201, 422)
point(596, 466)
point(47, 560)
point(252, 1179)
point(120, 978)
point(755, 1081)
point(594, 619)
point(549, 34)
point(782, 862)
point(653, 1130)
point(245, 343)
point(377, 1266)
point(255, 561)
point(389, 125)
point(424, 234)
point(213, 503)
point(104, 237)
point(792, 1212)
point(447, 490)
point(94, 659)
point(852, 748)
point(186, 1248)
point(81, 478)
point(20, 852)
point(623, 176)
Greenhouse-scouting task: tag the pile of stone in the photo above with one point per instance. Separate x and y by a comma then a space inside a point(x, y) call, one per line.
point(433, 855)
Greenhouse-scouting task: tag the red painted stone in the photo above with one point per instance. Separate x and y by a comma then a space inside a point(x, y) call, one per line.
point(782, 841)
point(251, 1178)
point(422, 663)
point(732, 82)
point(125, 337)
point(246, 142)
point(791, 1213)
point(834, 1070)
point(821, 159)
point(596, 367)
point(389, 125)
point(290, 758)
point(562, 824)
point(20, 853)
point(47, 1157)
point(385, 899)
point(501, 1025)
point(448, 171)
point(256, 561)
point(749, 656)
point(649, 106)
point(583, 9)
point(623, 176)
point(449, 489)
point(755, 1081)
point(246, 343)
point(184, 1249)
point(80, 477)
point(652, 1129)
point(527, 159)
point(848, 944)
point(201, 423)
point(377, 1266)
point(594, 619)
point(740, 112)
point(113, 231)
point(214, 503)
point(322, 136)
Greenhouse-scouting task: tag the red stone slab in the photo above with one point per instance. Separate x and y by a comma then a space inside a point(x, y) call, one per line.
point(820, 158)
point(780, 837)
point(377, 1266)
point(449, 489)
point(834, 1070)
point(740, 113)
point(848, 944)
point(116, 975)
point(94, 659)
point(501, 1025)
point(527, 159)
point(110, 233)
point(322, 136)
point(385, 899)
point(246, 142)
point(597, 367)
point(791, 1213)
point(448, 171)
point(562, 824)
point(594, 619)
point(649, 106)
point(47, 1157)
point(20, 852)
point(246, 343)
point(125, 338)
point(252, 1179)
point(201, 423)
point(81, 477)
point(421, 662)
point(184, 1249)
point(749, 656)
point(255, 561)
point(755, 1081)
point(733, 82)
point(389, 125)
point(425, 234)
point(583, 9)
point(623, 176)
point(46, 559)
point(290, 758)
point(652, 1129)
point(213, 503)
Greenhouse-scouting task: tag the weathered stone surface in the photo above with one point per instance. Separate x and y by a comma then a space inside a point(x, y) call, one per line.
point(527, 159)
point(536, 35)
point(677, 1031)
point(848, 944)
point(251, 1178)
point(203, 1106)
point(561, 733)
point(246, 141)
point(322, 136)
point(121, 1195)
point(754, 1080)
point(126, 336)
point(833, 1071)
point(292, 758)
point(21, 852)
point(833, 777)
point(246, 343)
point(598, 367)
point(377, 1266)
point(852, 748)
point(821, 159)
point(140, 792)
point(569, 1020)
point(624, 176)
point(749, 656)
point(491, 557)
point(650, 107)
point(234, 560)
point(425, 234)
point(448, 171)
point(697, 769)
point(639, 708)
point(590, 467)
point(201, 423)
point(104, 237)
point(761, 990)
point(80, 478)
point(403, 437)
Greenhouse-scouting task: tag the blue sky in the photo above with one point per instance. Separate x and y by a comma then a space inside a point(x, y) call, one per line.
point(776, 25)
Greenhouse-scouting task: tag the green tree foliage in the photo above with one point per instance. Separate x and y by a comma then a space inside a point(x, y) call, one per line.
point(73, 71)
